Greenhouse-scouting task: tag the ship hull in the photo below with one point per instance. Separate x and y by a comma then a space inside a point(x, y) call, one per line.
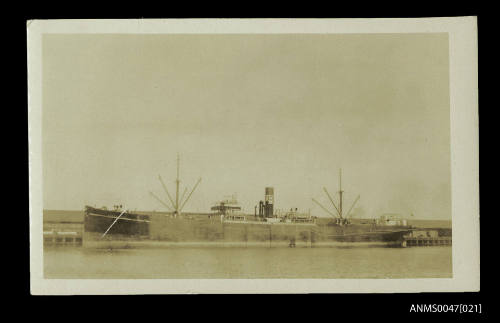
point(158, 230)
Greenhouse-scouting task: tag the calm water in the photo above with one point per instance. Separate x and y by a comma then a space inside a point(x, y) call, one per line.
point(356, 262)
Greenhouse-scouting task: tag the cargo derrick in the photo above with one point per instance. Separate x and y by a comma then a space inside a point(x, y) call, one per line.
point(176, 206)
point(340, 219)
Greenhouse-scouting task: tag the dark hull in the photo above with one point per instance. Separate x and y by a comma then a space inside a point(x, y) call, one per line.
point(133, 225)
point(204, 230)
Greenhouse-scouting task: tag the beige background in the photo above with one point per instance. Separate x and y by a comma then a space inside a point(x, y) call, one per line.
point(463, 99)
point(248, 111)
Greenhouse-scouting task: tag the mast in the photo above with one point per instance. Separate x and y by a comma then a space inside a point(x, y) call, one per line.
point(178, 204)
point(341, 218)
point(340, 193)
point(177, 181)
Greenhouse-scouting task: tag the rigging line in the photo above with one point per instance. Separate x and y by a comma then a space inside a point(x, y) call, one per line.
point(324, 208)
point(123, 212)
point(182, 197)
point(166, 191)
point(187, 198)
point(159, 200)
point(331, 200)
point(357, 198)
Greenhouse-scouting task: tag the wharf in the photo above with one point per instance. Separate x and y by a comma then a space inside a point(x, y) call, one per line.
point(428, 237)
point(62, 233)
point(423, 242)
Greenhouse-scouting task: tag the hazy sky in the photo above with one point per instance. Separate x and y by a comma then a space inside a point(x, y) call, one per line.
point(245, 112)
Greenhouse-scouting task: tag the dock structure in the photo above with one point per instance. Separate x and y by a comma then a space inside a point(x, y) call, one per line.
point(62, 238)
point(427, 237)
point(62, 234)
point(424, 242)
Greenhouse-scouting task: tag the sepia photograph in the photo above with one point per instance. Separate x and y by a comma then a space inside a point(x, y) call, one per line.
point(206, 154)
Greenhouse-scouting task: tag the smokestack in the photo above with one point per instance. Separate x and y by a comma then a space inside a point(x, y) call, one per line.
point(269, 198)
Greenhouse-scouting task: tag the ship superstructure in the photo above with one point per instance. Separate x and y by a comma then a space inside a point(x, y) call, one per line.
point(228, 210)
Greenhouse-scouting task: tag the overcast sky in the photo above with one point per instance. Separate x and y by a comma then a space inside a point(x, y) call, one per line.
point(246, 112)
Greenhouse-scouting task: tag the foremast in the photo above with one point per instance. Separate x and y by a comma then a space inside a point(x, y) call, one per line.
point(176, 205)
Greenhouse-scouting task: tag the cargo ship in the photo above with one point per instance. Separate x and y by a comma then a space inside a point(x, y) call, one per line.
point(226, 225)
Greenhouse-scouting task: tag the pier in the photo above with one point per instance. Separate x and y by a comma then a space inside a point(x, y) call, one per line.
point(424, 242)
point(62, 233)
point(427, 238)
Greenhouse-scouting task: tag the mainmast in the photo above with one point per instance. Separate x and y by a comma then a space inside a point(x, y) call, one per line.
point(340, 192)
point(177, 182)
point(341, 201)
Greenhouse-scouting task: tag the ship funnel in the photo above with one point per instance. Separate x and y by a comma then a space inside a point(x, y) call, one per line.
point(269, 200)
